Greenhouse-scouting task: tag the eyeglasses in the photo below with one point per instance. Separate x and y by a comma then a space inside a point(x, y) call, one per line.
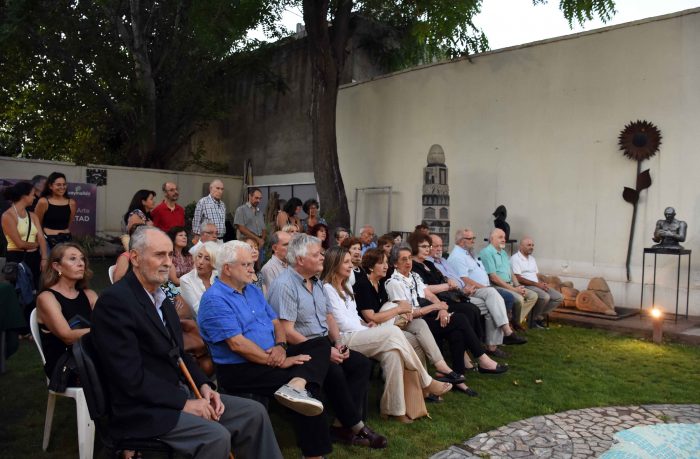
point(425, 246)
point(469, 238)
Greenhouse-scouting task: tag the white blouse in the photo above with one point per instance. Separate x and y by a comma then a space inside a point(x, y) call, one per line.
point(192, 288)
point(400, 287)
point(344, 311)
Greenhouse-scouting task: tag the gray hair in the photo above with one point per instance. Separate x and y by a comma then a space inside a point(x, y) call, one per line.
point(228, 253)
point(206, 223)
point(275, 238)
point(212, 248)
point(365, 228)
point(299, 247)
point(339, 230)
point(137, 241)
point(394, 255)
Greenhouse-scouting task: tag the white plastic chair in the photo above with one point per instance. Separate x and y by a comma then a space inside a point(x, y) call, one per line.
point(86, 428)
point(110, 271)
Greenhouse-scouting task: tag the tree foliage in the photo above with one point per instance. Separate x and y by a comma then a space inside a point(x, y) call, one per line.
point(119, 81)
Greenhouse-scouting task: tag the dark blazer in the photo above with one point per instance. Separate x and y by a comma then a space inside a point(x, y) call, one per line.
point(133, 346)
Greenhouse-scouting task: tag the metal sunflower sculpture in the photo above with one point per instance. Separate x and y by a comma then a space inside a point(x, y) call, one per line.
point(639, 140)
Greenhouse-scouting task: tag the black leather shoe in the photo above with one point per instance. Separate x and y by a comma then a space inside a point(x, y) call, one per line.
point(496, 371)
point(452, 378)
point(368, 437)
point(468, 391)
point(498, 353)
point(514, 339)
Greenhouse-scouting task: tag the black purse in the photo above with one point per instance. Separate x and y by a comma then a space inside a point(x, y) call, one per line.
point(65, 373)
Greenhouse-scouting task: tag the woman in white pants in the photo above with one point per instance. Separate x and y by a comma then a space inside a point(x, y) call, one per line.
point(386, 344)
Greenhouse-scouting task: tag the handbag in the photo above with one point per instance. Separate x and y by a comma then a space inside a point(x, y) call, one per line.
point(413, 395)
point(400, 321)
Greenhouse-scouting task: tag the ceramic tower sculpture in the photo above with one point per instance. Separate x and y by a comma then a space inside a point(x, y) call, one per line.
point(436, 195)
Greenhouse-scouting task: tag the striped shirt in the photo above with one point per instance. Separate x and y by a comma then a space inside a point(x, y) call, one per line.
point(210, 209)
point(291, 301)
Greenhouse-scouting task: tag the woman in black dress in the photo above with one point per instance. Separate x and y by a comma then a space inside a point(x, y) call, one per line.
point(56, 210)
point(65, 305)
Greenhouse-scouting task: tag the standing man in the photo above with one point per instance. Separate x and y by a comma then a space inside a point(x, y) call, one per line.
point(168, 213)
point(367, 238)
point(487, 299)
point(278, 261)
point(527, 273)
point(137, 335)
point(249, 220)
point(211, 208)
point(300, 301)
point(497, 265)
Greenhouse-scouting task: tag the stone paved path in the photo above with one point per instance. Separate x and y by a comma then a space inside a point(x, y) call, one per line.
point(572, 434)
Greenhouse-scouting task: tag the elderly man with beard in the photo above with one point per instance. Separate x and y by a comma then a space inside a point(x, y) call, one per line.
point(497, 265)
point(487, 299)
point(138, 338)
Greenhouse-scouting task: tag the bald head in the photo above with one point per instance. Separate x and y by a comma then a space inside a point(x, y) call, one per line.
point(527, 246)
point(498, 239)
point(367, 234)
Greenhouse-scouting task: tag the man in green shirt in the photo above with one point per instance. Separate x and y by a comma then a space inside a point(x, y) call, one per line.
point(497, 265)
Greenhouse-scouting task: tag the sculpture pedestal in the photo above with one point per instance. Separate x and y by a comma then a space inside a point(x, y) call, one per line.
point(679, 254)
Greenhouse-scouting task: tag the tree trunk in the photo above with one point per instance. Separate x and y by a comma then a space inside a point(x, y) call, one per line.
point(327, 58)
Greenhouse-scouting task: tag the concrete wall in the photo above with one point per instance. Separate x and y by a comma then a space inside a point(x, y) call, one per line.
point(122, 182)
point(535, 128)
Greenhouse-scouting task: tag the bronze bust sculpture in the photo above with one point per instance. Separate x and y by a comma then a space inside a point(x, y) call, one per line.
point(500, 222)
point(669, 233)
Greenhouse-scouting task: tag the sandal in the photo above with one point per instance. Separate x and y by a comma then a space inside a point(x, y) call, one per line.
point(437, 388)
point(468, 391)
point(452, 377)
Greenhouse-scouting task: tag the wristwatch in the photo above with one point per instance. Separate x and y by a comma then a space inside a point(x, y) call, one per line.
point(282, 344)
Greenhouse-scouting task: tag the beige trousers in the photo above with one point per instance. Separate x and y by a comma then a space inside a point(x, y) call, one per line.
point(390, 347)
point(418, 334)
point(527, 302)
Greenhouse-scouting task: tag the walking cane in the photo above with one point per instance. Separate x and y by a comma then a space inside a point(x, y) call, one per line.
point(193, 386)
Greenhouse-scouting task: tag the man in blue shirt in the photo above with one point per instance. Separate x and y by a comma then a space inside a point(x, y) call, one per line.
point(248, 345)
point(497, 264)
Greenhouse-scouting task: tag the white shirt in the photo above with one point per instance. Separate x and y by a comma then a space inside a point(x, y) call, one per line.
point(192, 288)
point(400, 287)
point(344, 311)
point(524, 266)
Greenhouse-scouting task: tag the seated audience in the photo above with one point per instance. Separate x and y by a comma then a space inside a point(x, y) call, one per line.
point(487, 299)
point(302, 307)
point(526, 272)
point(250, 348)
point(258, 278)
point(194, 283)
point(497, 266)
point(183, 262)
point(386, 243)
point(310, 208)
point(207, 232)
point(340, 235)
point(354, 246)
point(65, 305)
point(405, 285)
point(320, 230)
point(278, 261)
point(372, 301)
point(458, 304)
point(289, 215)
point(386, 344)
point(56, 210)
point(139, 211)
point(367, 238)
point(25, 238)
point(137, 336)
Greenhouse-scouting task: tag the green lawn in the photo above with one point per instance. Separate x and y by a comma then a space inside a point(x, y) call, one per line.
point(577, 367)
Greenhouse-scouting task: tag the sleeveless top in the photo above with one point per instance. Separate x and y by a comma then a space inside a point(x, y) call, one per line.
point(22, 226)
point(57, 217)
point(70, 307)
